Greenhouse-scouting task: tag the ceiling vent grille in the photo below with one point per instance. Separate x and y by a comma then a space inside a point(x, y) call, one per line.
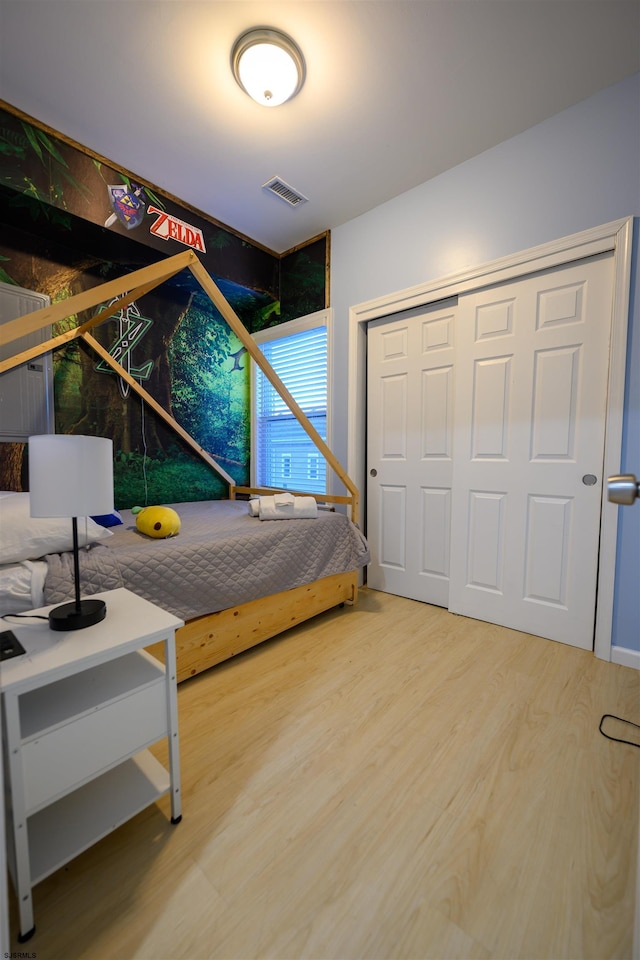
point(285, 191)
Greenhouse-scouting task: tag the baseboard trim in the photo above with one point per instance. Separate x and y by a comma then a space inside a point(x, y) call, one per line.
point(626, 657)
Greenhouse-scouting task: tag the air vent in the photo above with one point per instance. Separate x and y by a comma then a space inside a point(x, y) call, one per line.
point(286, 192)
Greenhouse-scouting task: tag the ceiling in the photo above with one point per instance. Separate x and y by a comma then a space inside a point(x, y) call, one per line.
point(396, 92)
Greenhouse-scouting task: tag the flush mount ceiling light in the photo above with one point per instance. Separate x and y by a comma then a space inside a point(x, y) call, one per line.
point(268, 65)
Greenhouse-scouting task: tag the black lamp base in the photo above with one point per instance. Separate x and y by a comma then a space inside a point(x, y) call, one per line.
point(77, 616)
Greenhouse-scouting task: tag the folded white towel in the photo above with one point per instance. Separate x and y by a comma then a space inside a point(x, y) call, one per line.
point(269, 511)
point(284, 506)
point(305, 508)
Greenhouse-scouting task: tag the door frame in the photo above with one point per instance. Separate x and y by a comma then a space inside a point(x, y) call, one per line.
point(615, 237)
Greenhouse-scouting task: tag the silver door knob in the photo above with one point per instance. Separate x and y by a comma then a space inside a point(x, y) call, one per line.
point(623, 489)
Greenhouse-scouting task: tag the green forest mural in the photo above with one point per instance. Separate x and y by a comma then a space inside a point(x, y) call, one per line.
point(70, 222)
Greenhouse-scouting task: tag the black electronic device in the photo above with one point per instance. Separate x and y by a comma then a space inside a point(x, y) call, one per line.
point(10, 646)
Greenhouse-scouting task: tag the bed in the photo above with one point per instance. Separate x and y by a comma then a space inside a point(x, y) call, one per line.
point(266, 604)
point(234, 579)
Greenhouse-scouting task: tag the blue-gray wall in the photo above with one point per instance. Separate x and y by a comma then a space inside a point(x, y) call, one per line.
point(579, 169)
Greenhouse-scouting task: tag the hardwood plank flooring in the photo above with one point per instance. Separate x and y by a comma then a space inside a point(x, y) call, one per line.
point(386, 781)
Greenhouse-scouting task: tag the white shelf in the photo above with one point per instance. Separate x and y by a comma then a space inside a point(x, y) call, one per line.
point(65, 757)
point(61, 831)
point(66, 700)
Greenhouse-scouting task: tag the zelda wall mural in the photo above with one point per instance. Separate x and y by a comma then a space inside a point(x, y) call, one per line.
point(69, 222)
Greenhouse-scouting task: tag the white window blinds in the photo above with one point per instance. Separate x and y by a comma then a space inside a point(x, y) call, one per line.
point(285, 455)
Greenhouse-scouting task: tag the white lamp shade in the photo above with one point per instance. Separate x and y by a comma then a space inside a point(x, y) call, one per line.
point(70, 476)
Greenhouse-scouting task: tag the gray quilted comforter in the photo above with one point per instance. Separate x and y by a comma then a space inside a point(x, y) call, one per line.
point(221, 557)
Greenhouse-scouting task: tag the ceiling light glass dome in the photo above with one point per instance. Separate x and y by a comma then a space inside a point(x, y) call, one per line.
point(268, 65)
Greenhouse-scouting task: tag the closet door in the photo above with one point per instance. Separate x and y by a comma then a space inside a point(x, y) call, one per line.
point(410, 446)
point(531, 384)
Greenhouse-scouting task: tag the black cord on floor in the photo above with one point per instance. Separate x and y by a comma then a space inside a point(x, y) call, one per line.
point(617, 739)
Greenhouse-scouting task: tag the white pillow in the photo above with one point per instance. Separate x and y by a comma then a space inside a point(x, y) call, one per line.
point(23, 537)
point(22, 586)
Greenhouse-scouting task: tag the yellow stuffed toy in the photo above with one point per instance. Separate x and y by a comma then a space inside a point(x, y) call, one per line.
point(158, 522)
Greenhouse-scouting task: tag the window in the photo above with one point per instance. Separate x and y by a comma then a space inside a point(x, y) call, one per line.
point(283, 455)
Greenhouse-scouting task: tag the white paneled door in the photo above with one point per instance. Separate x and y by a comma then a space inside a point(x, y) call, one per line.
point(532, 364)
point(410, 453)
point(512, 447)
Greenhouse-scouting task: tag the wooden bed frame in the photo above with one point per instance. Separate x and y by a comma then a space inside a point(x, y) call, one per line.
point(209, 639)
point(214, 637)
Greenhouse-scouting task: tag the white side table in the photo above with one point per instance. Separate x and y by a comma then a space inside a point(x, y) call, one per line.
point(80, 710)
point(4, 909)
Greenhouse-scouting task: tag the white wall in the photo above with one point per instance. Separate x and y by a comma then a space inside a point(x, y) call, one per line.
point(574, 171)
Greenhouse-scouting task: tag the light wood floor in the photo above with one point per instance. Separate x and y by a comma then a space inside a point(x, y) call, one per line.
point(389, 781)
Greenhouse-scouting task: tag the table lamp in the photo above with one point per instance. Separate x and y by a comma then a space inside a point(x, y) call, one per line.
point(71, 476)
